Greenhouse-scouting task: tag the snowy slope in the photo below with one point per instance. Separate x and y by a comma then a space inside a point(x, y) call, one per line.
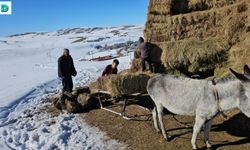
point(28, 64)
point(30, 59)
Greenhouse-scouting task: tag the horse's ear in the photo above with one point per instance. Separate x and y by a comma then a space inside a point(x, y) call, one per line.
point(246, 71)
point(238, 75)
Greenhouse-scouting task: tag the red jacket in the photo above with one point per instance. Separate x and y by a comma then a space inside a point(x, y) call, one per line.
point(109, 70)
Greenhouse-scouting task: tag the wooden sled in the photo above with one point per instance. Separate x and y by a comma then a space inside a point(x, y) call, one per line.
point(100, 95)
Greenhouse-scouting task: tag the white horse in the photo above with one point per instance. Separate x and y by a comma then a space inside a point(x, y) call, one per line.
point(201, 98)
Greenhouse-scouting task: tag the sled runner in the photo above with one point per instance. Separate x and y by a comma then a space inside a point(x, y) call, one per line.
point(124, 100)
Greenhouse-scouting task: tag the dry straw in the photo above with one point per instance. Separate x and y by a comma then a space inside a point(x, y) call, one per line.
point(123, 84)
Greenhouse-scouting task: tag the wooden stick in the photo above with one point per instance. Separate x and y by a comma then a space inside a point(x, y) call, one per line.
point(100, 101)
point(124, 106)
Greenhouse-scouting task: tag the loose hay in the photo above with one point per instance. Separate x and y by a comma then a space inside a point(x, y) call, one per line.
point(75, 103)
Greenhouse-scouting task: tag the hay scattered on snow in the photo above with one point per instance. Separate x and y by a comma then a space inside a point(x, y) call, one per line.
point(75, 103)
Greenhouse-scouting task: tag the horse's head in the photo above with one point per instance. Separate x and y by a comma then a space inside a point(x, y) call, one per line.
point(244, 103)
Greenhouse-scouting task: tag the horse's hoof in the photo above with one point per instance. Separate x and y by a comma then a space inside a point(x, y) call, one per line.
point(169, 138)
point(209, 146)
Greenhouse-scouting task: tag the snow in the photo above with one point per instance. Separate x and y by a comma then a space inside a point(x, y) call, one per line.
point(28, 66)
point(29, 60)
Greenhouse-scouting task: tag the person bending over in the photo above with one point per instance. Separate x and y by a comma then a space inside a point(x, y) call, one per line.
point(111, 69)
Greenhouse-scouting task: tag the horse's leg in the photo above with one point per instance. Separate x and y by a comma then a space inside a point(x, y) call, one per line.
point(199, 121)
point(206, 133)
point(154, 113)
point(160, 113)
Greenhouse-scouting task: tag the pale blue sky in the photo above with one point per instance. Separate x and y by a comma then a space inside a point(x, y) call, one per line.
point(50, 15)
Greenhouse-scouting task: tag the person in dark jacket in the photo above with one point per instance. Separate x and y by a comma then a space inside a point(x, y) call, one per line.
point(66, 70)
point(145, 54)
point(111, 69)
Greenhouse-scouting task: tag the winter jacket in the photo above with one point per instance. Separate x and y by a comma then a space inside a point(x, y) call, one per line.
point(109, 70)
point(66, 66)
point(144, 50)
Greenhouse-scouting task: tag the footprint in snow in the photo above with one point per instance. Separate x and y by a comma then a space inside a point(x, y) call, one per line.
point(45, 130)
point(17, 139)
point(65, 127)
point(10, 140)
point(35, 137)
point(25, 137)
point(5, 133)
point(68, 118)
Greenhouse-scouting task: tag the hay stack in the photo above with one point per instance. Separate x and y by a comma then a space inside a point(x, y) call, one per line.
point(199, 34)
point(194, 54)
point(198, 5)
point(122, 84)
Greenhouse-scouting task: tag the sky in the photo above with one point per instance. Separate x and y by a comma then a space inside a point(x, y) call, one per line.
point(50, 15)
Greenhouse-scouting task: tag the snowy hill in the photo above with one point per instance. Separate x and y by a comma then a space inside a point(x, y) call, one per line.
point(28, 65)
point(29, 59)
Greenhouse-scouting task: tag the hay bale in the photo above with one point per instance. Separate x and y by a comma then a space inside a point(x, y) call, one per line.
point(59, 101)
point(195, 55)
point(73, 106)
point(136, 65)
point(124, 84)
point(87, 102)
point(84, 99)
point(59, 104)
point(67, 101)
point(80, 90)
point(125, 71)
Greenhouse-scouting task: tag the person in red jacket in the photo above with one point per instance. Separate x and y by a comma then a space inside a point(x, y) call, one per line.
point(111, 69)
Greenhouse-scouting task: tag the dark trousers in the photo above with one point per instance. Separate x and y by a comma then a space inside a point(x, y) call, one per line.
point(143, 63)
point(67, 84)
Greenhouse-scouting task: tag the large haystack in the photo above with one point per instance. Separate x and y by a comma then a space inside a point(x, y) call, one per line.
point(200, 35)
point(123, 84)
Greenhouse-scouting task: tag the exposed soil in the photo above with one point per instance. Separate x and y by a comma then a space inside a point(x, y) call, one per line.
point(139, 133)
point(230, 134)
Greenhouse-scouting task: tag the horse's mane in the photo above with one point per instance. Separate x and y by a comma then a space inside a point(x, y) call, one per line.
point(224, 79)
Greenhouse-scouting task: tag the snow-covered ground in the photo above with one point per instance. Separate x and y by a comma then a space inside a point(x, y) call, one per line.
point(28, 65)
